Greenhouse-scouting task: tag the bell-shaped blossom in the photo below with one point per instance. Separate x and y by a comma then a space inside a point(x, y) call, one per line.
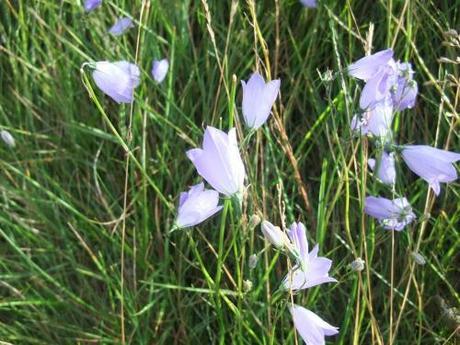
point(275, 235)
point(310, 269)
point(121, 25)
point(379, 73)
point(219, 161)
point(197, 205)
point(367, 67)
point(392, 214)
point(404, 91)
point(310, 326)
point(117, 79)
point(7, 138)
point(309, 3)
point(376, 121)
point(258, 99)
point(384, 167)
point(431, 164)
point(91, 4)
point(160, 69)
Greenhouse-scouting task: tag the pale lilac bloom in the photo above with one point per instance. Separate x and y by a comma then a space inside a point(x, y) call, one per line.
point(197, 205)
point(117, 79)
point(376, 121)
point(121, 26)
point(160, 69)
point(258, 99)
point(392, 214)
point(404, 91)
point(310, 270)
point(431, 164)
point(92, 4)
point(310, 326)
point(384, 167)
point(368, 66)
point(309, 3)
point(275, 235)
point(219, 161)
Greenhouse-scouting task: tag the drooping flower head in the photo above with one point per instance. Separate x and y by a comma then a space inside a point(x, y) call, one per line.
point(92, 4)
point(258, 99)
point(309, 3)
point(275, 235)
point(197, 205)
point(117, 79)
point(310, 326)
point(121, 25)
point(392, 214)
point(160, 69)
point(310, 269)
point(384, 167)
point(431, 164)
point(376, 121)
point(219, 161)
point(404, 91)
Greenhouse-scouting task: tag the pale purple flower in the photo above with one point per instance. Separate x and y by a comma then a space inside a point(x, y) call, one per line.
point(275, 235)
point(431, 164)
point(121, 25)
point(310, 326)
point(376, 121)
point(309, 3)
point(384, 167)
point(258, 99)
point(117, 79)
point(310, 270)
point(219, 161)
point(368, 66)
point(92, 4)
point(392, 214)
point(197, 205)
point(404, 91)
point(160, 69)
point(7, 138)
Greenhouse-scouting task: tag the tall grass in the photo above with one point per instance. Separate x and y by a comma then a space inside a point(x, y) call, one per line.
point(88, 194)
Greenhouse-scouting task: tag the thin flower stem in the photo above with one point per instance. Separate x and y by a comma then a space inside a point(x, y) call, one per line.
point(220, 262)
point(390, 337)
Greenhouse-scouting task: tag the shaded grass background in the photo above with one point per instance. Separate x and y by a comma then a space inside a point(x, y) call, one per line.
point(62, 188)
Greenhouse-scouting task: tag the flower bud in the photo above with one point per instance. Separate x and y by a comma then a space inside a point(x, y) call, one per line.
point(274, 235)
point(357, 265)
point(418, 258)
point(254, 221)
point(7, 138)
point(247, 285)
point(252, 262)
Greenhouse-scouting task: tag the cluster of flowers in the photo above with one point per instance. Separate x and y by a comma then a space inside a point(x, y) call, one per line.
point(119, 79)
point(390, 87)
point(219, 163)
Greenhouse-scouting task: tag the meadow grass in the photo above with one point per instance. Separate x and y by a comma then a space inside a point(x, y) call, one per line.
point(88, 194)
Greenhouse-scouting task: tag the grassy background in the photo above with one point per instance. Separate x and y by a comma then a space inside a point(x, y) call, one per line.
point(67, 222)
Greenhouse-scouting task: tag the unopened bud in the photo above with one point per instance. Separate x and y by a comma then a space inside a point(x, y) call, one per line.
point(254, 221)
point(418, 258)
point(7, 138)
point(274, 235)
point(252, 262)
point(247, 285)
point(357, 265)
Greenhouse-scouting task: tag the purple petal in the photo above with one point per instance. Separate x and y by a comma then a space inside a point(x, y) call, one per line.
point(309, 3)
point(117, 80)
point(121, 26)
point(92, 4)
point(160, 69)
point(386, 170)
point(432, 164)
point(366, 67)
point(310, 326)
point(377, 88)
point(258, 99)
point(391, 214)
